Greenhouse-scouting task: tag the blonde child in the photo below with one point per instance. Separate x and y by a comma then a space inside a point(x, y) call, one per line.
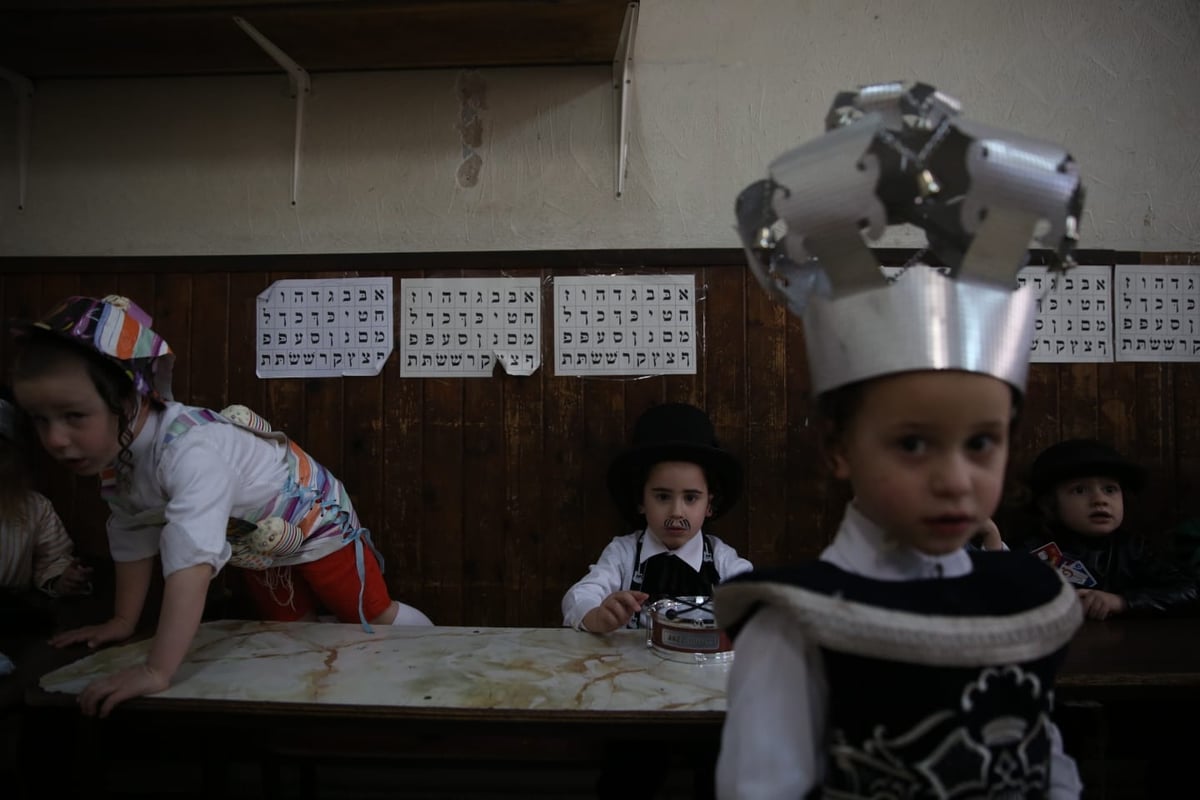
point(671, 480)
point(196, 489)
point(902, 664)
point(36, 555)
point(35, 551)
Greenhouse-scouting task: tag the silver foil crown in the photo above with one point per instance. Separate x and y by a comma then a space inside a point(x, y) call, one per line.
point(901, 154)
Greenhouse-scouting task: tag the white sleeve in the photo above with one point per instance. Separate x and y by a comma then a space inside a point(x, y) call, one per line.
point(727, 561)
point(775, 714)
point(1065, 783)
point(612, 573)
point(200, 487)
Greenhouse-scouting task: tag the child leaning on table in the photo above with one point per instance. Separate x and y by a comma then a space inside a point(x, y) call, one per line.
point(673, 478)
point(900, 663)
point(197, 489)
point(1079, 489)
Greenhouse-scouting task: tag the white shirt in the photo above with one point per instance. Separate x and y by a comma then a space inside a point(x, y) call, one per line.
point(183, 493)
point(614, 571)
point(772, 741)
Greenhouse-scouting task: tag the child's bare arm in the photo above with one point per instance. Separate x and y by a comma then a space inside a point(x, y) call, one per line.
point(183, 605)
point(132, 583)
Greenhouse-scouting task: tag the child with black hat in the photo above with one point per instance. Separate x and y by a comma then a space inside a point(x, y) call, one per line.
point(1079, 489)
point(901, 663)
point(666, 484)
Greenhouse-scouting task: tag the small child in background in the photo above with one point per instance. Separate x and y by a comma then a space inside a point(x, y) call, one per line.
point(194, 488)
point(36, 555)
point(901, 663)
point(1079, 489)
point(35, 551)
point(671, 480)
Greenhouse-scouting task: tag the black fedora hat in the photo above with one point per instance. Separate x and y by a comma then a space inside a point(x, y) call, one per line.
point(673, 432)
point(1080, 458)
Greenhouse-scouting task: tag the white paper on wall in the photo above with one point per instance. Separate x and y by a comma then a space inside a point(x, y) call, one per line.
point(1158, 312)
point(324, 327)
point(625, 325)
point(464, 327)
point(1074, 319)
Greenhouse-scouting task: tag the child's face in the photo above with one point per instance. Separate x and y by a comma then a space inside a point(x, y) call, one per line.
point(1091, 506)
point(925, 454)
point(72, 421)
point(676, 501)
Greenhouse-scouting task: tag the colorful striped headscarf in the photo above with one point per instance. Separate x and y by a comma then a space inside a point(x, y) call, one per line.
point(118, 329)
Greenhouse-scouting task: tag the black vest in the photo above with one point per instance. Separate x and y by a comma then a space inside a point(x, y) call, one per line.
point(668, 575)
point(950, 697)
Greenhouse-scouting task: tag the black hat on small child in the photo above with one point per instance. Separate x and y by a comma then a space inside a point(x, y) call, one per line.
point(1081, 458)
point(673, 432)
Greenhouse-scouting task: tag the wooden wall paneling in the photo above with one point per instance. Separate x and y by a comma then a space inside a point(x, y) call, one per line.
point(721, 354)
point(766, 425)
point(402, 527)
point(524, 536)
point(1153, 447)
point(1187, 441)
point(442, 551)
point(813, 511)
point(567, 548)
point(1078, 400)
point(209, 359)
point(243, 386)
point(171, 308)
point(485, 492)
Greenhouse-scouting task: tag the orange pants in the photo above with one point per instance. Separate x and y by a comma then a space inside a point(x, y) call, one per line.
point(328, 584)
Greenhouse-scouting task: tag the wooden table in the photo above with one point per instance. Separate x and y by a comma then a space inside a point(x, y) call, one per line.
point(300, 694)
point(305, 694)
point(1136, 659)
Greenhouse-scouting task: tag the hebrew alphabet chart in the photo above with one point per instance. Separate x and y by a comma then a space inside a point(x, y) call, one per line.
point(324, 327)
point(625, 325)
point(1074, 317)
point(1158, 312)
point(464, 327)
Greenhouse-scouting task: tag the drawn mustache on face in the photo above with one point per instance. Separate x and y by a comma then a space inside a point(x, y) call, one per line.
point(677, 524)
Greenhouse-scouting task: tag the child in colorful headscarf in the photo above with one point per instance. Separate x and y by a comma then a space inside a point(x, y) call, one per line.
point(196, 488)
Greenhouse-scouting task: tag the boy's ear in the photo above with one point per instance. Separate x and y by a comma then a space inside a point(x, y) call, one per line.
point(833, 451)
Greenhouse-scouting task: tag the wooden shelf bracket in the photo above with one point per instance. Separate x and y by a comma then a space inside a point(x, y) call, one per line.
point(622, 89)
point(23, 89)
point(300, 86)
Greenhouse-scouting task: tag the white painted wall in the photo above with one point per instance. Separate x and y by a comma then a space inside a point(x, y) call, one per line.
point(203, 166)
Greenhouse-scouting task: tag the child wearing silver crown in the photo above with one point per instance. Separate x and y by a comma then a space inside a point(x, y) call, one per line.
point(192, 488)
point(901, 663)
